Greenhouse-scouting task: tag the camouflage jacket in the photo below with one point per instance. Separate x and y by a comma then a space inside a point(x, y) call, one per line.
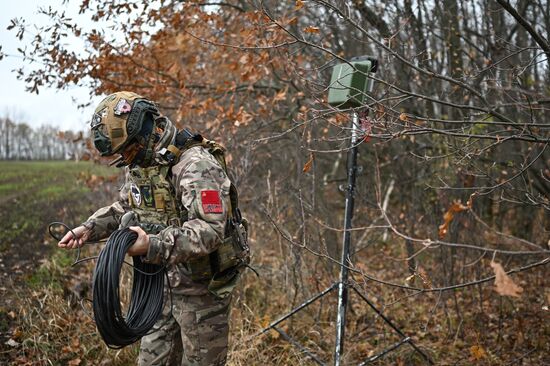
point(202, 187)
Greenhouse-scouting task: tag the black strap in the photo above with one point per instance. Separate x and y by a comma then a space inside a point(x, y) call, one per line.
point(185, 139)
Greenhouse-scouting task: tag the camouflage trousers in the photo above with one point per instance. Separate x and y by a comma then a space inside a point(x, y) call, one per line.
point(194, 333)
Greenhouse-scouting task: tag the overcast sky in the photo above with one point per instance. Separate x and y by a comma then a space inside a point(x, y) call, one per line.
point(51, 106)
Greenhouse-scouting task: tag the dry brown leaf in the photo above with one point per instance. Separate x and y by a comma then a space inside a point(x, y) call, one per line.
point(380, 112)
point(274, 334)
point(403, 117)
point(75, 343)
point(280, 96)
point(504, 284)
point(293, 21)
point(308, 164)
point(311, 29)
point(245, 59)
point(341, 118)
point(477, 352)
point(75, 362)
point(424, 277)
point(456, 207)
point(299, 5)
point(17, 333)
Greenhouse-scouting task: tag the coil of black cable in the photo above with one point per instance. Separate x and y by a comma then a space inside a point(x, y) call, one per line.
point(146, 301)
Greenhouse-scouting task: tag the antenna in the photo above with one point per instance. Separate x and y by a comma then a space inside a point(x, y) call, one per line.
point(349, 87)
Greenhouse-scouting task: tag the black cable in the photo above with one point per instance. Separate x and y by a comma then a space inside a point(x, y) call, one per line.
point(147, 296)
point(53, 235)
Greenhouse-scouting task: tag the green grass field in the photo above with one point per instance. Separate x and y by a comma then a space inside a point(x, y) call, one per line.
point(34, 272)
point(32, 194)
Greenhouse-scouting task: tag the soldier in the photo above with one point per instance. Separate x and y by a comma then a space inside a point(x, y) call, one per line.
point(177, 186)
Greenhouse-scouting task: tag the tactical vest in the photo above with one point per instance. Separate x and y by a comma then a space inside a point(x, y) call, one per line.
point(153, 198)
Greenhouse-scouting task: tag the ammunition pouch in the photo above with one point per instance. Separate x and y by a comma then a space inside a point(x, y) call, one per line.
point(232, 253)
point(221, 268)
point(223, 283)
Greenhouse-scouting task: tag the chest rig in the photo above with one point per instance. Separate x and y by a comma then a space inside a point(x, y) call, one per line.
point(153, 199)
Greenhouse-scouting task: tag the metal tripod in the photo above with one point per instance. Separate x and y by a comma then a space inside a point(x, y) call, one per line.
point(343, 285)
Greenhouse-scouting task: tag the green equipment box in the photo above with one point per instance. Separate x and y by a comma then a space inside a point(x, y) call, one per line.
point(349, 83)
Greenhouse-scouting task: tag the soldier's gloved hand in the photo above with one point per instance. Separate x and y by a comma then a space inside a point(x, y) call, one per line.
point(81, 234)
point(141, 246)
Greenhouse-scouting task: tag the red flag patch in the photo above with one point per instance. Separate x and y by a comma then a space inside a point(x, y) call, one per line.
point(211, 202)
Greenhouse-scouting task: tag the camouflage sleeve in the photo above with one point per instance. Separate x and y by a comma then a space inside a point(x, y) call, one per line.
point(204, 189)
point(106, 220)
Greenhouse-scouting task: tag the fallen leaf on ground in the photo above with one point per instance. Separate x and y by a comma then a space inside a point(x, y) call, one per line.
point(477, 352)
point(12, 343)
point(75, 362)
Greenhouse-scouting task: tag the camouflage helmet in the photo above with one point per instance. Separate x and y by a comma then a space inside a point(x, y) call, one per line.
point(118, 120)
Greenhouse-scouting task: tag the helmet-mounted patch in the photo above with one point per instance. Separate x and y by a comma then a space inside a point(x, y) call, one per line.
point(97, 118)
point(122, 107)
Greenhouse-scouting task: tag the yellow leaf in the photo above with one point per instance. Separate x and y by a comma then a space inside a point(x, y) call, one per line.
point(299, 5)
point(477, 352)
point(308, 164)
point(504, 284)
point(311, 29)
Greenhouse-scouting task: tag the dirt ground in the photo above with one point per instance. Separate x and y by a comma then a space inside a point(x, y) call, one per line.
point(32, 195)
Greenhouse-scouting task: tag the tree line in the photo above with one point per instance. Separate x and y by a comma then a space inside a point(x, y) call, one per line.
point(19, 141)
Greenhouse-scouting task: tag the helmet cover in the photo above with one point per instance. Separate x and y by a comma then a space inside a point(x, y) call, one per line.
point(118, 119)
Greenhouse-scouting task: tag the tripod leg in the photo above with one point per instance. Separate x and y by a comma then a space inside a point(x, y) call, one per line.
point(385, 352)
point(299, 346)
point(393, 326)
point(295, 310)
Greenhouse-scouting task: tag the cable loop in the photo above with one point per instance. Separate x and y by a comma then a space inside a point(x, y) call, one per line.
point(146, 303)
point(147, 297)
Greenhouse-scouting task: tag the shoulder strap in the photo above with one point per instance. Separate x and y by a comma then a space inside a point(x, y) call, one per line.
point(185, 140)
